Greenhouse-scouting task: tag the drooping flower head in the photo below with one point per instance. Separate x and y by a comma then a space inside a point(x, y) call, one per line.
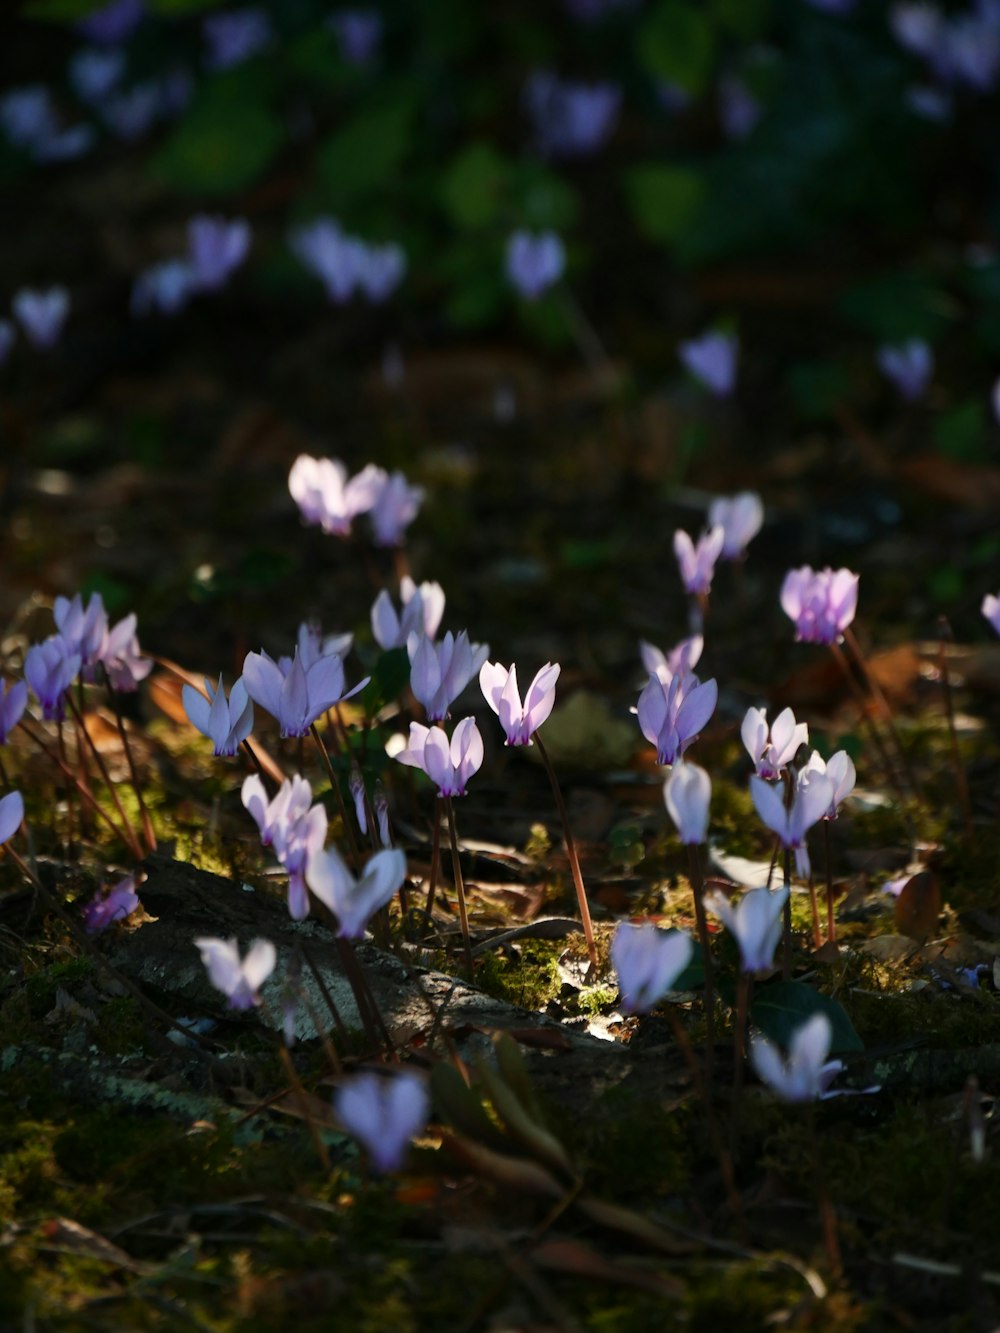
point(449, 764)
point(50, 668)
point(713, 361)
point(355, 901)
point(811, 800)
point(755, 922)
point(324, 495)
point(41, 314)
point(822, 603)
point(226, 722)
point(293, 827)
point(908, 366)
point(697, 563)
point(122, 657)
point(239, 980)
point(439, 672)
point(519, 721)
point(840, 771)
point(687, 793)
point(534, 262)
point(216, 248)
point(104, 909)
point(648, 962)
point(772, 749)
point(84, 629)
point(672, 710)
point(741, 517)
point(384, 1113)
point(806, 1073)
point(394, 508)
point(421, 611)
point(298, 696)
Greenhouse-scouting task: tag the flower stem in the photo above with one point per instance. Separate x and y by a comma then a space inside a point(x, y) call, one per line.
point(147, 823)
point(133, 837)
point(831, 925)
point(961, 782)
point(68, 772)
point(456, 864)
point(886, 711)
point(331, 773)
point(435, 861)
point(698, 889)
point(786, 944)
point(574, 860)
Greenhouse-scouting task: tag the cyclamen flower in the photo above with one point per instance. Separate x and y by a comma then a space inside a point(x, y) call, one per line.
point(450, 765)
point(325, 496)
point(519, 721)
point(50, 668)
point(806, 1073)
point(355, 901)
point(323, 248)
point(384, 1113)
point(106, 908)
point(293, 827)
point(741, 517)
point(697, 563)
point(238, 980)
point(11, 815)
point(684, 657)
point(755, 922)
point(991, 610)
point(41, 314)
point(570, 119)
point(713, 360)
point(94, 73)
point(359, 32)
point(235, 37)
point(166, 288)
point(227, 723)
point(840, 770)
point(298, 696)
point(113, 22)
point(439, 672)
point(822, 603)
point(121, 656)
point(648, 962)
point(28, 116)
point(84, 629)
point(772, 750)
point(908, 365)
point(131, 114)
point(394, 508)
point(421, 611)
point(534, 262)
point(687, 793)
point(739, 110)
point(216, 249)
point(810, 802)
point(13, 701)
point(379, 269)
point(672, 710)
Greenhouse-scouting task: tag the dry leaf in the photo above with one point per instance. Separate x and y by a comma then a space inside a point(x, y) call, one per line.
point(919, 906)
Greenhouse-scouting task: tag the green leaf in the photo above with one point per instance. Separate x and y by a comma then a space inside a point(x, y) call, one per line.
point(743, 18)
point(222, 144)
point(818, 388)
point(665, 200)
point(782, 1007)
point(61, 11)
point(474, 186)
point(389, 679)
point(541, 199)
point(676, 43)
point(961, 432)
point(366, 154)
point(895, 306)
point(171, 8)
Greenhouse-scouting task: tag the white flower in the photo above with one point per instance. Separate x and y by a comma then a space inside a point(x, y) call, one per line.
point(806, 1073)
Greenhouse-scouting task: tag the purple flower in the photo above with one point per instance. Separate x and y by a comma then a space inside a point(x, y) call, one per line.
point(908, 365)
point(238, 981)
point(13, 701)
point(50, 668)
point(741, 517)
point(822, 603)
point(806, 1073)
point(334, 258)
point(94, 73)
point(739, 110)
point(648, 962)
point(811, 801)
point(216, 248)
point(919, 28)
point(131, 113)
point(840, 770)
point(354, 902)
point(380, 805)
point(534, 262)
point(8, 336)
point(755, 922)
point(83, 629)
point(684, 657)
point(234, 37)
point(11, 815)
point(41, 314)
point(28, 116)
point(449, 765)
point(394, 508)
point(383, 1113)
point(713, 360)
point(166, 288)
point(121, 656)
point(570, 119)
point(421, 611)
point(113, 22)
point(379, 269)
point(320, 488)
point(697, 563)
point(772, 750)
point(672, 710)
point(293, 827)
point(298, 696)
point(519, 721)
point(991, 610)
point(227, 723)
point(313, 645)
point(973, 51)
point(106, 908)
point(687, 793)
point(439, 672)
point(359, 32)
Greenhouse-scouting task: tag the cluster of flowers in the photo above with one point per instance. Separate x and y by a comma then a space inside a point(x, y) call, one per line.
point(570, 119)
point(327, 498)
point(347, 265)
point(215, 249)
point(958, 48)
